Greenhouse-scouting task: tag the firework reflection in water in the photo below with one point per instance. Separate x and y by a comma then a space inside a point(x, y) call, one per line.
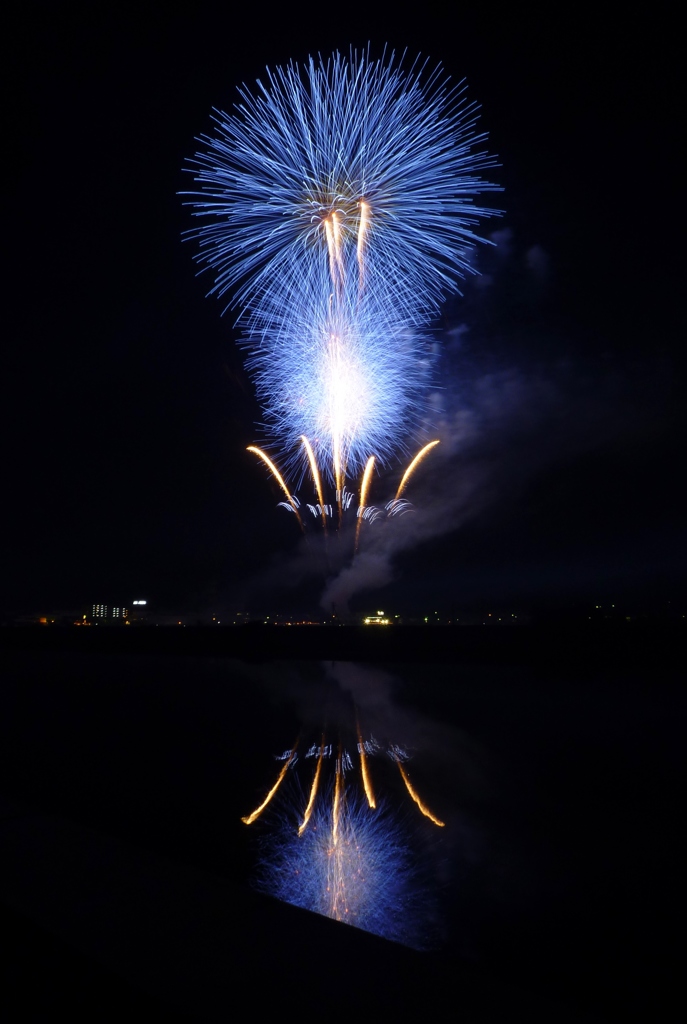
point(367, 875)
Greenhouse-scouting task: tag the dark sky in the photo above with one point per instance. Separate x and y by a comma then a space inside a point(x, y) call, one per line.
point(126, 409)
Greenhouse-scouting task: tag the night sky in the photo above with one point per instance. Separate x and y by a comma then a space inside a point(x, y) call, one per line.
point(126, 408)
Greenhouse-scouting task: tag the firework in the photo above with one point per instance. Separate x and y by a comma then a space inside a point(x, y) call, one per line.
point(338, 203)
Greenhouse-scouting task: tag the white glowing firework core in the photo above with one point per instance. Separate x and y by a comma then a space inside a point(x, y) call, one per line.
point(346, 399)
point(339, 373)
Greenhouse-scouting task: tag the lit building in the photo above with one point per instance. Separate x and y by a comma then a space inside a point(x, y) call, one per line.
point(104, 613)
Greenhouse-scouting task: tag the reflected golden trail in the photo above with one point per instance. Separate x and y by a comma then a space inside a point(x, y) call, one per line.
point(277, 476)
point(367, 784)
point(249, 819)
point(425, 810)
point(338, 853)
point(418, 458)
point(338, 795)
point(364, 488)
point(313, 791)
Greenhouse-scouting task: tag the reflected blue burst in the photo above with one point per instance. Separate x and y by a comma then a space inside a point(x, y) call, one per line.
point(368, 878)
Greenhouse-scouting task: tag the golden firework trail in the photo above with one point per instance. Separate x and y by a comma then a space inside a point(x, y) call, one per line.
point(362, 227)
point(330, 247)
point(337, 401)
point(250, 818)
point(278, 477)
point(364, 488)
point(336, 231)
point(415, 462)
point(414, 796)
point(315, 477)
point(313, 791)
point(367, 782)
point(336, 267)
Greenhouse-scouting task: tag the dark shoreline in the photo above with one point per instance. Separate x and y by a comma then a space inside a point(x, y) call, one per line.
point(612, 646)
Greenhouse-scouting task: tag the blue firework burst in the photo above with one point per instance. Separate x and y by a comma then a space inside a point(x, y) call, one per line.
point(323, 139)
